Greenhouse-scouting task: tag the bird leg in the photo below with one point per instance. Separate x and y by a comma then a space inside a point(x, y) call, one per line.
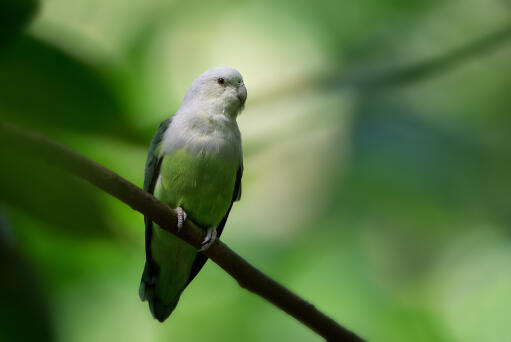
point(181, 218)
point(209, 239)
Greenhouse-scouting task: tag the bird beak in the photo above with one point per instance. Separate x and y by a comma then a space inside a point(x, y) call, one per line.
point(242, 93)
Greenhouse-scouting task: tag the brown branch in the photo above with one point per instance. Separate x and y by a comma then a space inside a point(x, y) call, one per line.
point(247, 275)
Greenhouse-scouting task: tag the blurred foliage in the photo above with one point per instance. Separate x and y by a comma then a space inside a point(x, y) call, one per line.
point(23, 301)
point(85, 102)
point(14, 16)
point(377, 163)
point(50, 195)
point(31, 66)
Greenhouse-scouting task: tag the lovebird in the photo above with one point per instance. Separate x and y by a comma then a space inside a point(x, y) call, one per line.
point(194, 164)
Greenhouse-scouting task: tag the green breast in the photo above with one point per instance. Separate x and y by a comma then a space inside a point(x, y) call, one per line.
point(202, 185)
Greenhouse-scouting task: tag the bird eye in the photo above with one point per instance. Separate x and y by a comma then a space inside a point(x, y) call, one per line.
point(220, 80)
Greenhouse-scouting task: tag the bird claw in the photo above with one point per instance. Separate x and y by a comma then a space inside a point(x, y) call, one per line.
point(181, 217)
point(209, 239)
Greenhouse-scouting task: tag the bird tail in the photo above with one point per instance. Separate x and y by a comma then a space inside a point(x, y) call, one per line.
point(160, 309)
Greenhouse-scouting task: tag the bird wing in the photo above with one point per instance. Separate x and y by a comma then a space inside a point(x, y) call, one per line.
point(152, 172)
point(201, 259)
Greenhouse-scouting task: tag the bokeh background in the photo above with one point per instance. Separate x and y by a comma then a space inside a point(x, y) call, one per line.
point(377, 141)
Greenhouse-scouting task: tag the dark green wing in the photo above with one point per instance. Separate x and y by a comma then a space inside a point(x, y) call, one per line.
point(152, 166)
point(152, 171)
point(201, 259)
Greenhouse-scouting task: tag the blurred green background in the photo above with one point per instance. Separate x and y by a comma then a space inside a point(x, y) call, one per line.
point(377, 165)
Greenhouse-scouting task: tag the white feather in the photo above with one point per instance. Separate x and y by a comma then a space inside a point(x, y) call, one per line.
point(206, 120)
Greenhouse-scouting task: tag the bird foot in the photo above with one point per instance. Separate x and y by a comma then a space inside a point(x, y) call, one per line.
point(209, 239)
point(181, 217)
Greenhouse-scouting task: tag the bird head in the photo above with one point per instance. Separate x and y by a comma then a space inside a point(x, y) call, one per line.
point(221, 87)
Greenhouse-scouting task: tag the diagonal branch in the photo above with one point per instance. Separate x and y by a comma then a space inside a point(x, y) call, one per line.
point(359, 79)
point(247, 275)
point(422, 70)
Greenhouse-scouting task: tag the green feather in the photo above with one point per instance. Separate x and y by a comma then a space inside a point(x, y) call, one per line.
point(153, 157)
point(203, 186)
point(194, 162)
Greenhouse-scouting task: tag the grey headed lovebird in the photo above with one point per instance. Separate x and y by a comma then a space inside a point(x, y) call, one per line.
point(194, 165)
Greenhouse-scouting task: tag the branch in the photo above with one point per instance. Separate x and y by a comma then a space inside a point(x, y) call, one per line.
point(421, 70)
point(247, 275)
point(360, 79)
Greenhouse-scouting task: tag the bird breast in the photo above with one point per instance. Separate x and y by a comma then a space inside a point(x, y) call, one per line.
point(203, 135)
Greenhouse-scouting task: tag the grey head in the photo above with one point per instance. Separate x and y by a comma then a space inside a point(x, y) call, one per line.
point(221, 88)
